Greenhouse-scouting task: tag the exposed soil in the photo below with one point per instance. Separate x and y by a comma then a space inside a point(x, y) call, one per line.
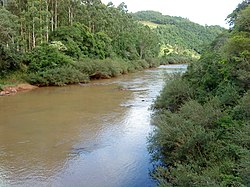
point(12, 90)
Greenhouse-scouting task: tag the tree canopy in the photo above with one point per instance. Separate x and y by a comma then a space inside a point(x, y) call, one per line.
point(179, 35)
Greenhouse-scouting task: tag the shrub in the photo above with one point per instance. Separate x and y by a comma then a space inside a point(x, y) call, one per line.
point(242, 111)
point(85, 66)
point(107, 68)
point(176, 59)
point(204, 115)
point(228, 94)
point(57, 77)
point(200, 145)
point(174, 94)
point(205, 139)
point(153, 62)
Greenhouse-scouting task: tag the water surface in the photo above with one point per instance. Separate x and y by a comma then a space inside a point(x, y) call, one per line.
point(91, 135)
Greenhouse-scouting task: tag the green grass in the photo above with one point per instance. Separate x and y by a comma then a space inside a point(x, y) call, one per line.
point(150, 24)
point(12, 79)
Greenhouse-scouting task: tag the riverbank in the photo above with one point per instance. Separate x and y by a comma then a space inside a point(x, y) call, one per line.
point(80, 72)
point(202, 117)
point(12, 90)
point(74, 73)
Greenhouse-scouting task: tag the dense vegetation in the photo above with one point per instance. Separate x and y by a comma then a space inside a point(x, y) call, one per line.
point(202, 118)
point(179, 36)
point(52, 42)
point(56, 42)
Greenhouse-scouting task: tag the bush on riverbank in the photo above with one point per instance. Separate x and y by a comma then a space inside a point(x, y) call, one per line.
point(58, 69)
point(176, 59)
point(203, 144)
point(174, 94)
point(57, 77)
point(202, 135)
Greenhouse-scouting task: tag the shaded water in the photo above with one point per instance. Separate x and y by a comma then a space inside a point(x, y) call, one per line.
point(91, 135)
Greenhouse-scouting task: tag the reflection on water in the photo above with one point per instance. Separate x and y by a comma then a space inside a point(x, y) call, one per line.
point(92, 135)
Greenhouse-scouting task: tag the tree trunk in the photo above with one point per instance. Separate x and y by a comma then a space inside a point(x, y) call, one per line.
point(69, 15)
point(56, 16)
point(47, 21)
point(33, 34)
point(52, 16)
point(29, 41)
point(141, 51)
point(41, 25)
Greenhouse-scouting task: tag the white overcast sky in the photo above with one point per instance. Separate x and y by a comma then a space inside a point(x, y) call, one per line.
point(210, 12)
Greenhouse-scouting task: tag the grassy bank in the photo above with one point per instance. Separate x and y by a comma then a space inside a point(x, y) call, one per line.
point(12, 79)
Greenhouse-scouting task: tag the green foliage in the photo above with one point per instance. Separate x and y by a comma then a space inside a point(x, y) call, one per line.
point(228, 94)
point(47, 65)
point(8, 27)
point(235, 14)
point(1, 87)
point(174, 94)
point(9, 58)
point(204, 139)
point(108, 68)
point(153, 62)
point(238, 44)
point(46, 57)
point(147, 44)
point(9, 61)
point(176, 59)
point(58, 76)
point(77, 39)
point(102, 48)
point(52, 34)
point(181, 34)
point(242, 110)
point(97, 69)
point(242, 22)
point(47, 36)
point(199, 145)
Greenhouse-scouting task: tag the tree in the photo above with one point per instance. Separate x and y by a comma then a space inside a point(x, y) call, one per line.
point(234, 15)
point(242, 23)
point(8, 28)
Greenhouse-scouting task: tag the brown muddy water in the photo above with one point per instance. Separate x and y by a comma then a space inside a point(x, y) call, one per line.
point(92, 135)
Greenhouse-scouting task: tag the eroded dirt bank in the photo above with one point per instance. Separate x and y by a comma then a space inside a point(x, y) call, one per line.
point(12, 90)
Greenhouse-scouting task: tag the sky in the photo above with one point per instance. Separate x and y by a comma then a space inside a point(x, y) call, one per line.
point(204, 12)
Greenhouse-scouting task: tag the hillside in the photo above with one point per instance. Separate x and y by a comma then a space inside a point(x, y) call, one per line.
point(50, 43)
point(179, 35)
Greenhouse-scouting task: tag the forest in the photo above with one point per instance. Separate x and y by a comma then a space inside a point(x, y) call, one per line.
point(62, 42)
point(202, 116)
point(179, 36)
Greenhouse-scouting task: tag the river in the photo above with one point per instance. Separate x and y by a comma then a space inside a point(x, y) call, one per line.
point(89, 135)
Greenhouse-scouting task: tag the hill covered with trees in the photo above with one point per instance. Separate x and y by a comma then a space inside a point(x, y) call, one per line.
point(202, 118)
point(60, 42)
point(179, 35)
point(63, 42)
